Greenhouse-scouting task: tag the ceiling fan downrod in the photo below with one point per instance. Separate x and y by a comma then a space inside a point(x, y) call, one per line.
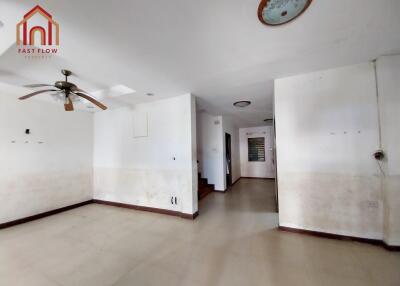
point(67, 73)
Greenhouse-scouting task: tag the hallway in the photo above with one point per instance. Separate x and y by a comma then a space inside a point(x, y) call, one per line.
point(234, 241)
point(248, 199)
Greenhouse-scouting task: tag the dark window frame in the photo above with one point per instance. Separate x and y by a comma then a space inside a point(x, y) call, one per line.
point(256, 149)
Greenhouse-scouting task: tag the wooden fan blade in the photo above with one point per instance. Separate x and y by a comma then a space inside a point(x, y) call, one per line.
point(91, 99)
point(38, 85)
point(69, 106)
point(36, 93)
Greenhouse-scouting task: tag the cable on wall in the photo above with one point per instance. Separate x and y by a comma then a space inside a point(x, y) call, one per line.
point(378, 103)
point(379, 154)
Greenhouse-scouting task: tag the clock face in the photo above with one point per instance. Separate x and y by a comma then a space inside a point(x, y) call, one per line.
point(278, 12)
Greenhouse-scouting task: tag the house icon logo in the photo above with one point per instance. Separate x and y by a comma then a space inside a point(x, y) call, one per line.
point(38, 33)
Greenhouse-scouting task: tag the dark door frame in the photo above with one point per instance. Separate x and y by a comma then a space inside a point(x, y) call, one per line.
point(228, 157)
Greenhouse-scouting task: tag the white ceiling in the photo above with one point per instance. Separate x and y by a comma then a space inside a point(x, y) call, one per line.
point(217, 50)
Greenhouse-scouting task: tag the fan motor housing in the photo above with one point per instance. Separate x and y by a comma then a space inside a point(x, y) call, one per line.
point(64, 85)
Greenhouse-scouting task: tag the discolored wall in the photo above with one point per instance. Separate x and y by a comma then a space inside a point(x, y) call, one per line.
point(389, 86)
point(326, 132)
point(49, 168)
point(148, 163)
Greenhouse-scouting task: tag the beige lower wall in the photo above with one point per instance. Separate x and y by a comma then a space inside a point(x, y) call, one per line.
point(27, 194)
point(333, 203)
point(149, 188)
point(327, 130)
point(392, 210)
point(49, 168)
point(149, 169)
point(388, 70)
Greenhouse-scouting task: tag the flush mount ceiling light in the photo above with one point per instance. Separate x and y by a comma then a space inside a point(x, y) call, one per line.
point(150, 94)
point(278, 12)
point(242, 103)
point(1, 24)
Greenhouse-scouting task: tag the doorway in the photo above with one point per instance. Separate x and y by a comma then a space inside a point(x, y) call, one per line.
point(228, 160)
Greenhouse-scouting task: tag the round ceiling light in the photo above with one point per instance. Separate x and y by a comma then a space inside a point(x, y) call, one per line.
point(242, 103)
point(1, 24)
point(150, 94)
point(278, 12)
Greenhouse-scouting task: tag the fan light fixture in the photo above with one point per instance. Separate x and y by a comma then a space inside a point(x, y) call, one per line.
point(64, 91)
point(242, 103)
point(278, 12)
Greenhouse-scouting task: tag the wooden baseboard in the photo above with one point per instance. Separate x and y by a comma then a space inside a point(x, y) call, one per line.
point(67, 208)
point(190, 216)
point(44, 214)
point(147, 209)
point(340, 237)
point(258, 178)
point(237, 180)
point(391, 247)
point(226, 190)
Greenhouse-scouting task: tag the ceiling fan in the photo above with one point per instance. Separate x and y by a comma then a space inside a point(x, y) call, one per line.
point(65, 90)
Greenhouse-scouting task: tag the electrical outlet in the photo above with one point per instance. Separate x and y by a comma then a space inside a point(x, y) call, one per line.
point(372, 204)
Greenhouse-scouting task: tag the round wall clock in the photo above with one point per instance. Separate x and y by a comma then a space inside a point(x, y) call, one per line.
point(278, 12)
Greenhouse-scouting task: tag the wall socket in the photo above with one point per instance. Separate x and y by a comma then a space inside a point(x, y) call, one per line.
point(372, 204)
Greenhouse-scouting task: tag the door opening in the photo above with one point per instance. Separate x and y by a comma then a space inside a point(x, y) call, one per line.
point(228, 160)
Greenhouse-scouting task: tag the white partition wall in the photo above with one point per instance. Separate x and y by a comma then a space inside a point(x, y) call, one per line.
point(326, 132)
point(49, 168)
point(389, 94)
point(327, 129)
point(152, 165)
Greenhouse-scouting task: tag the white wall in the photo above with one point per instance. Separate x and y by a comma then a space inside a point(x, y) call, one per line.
point(193, 195)
point(142, 171)
point(229, 127)
point(210, 149)
point(257, 169)
point(389, 94)
point(36, 178)
point(327, 131)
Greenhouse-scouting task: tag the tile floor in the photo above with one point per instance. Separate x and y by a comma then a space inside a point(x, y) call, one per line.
point(233, 242)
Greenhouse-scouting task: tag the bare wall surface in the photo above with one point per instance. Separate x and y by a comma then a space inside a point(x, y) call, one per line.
point(149, 168)
point(210, 149)
point(327, 131)
point(389, 94)
point(257, 169)
point(48, 169)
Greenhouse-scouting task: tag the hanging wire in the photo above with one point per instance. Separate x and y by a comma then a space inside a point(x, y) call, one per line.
point(379, 114)
point(378, 104)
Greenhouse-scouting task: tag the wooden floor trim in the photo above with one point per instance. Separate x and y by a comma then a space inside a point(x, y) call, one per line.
point(258, 178)
point(237, 180)
point(67, 208)
point(148, 209)
point(44, 214)
point(391, 247)
point(340, 237)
